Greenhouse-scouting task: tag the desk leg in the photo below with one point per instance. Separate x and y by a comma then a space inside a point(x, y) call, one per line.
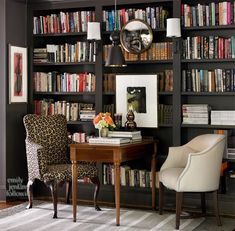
point(74, 189)
point(153, 172)
point(117, 191)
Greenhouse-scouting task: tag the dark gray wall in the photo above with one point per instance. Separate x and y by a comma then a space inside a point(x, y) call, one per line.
point(2, 100)
point(13, 30)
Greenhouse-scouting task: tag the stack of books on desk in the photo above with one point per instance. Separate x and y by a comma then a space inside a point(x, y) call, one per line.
point(109, 140)
point(133, 135)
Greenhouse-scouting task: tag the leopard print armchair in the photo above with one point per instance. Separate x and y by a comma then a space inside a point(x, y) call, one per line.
point(47, 157)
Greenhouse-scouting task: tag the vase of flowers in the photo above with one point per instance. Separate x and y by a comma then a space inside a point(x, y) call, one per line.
point(103, 122)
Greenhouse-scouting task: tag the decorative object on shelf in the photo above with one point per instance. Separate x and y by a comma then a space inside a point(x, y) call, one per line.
point(115, 55)
point(93, 34)
point(130, 123)
point(18, 74)
point(139, 92)
point(136, 36)
point(118, 120)
point(173, 30)
point(103, 122)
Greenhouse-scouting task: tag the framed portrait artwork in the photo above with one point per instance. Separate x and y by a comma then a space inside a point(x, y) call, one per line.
point(139, 93)
point(17, 74)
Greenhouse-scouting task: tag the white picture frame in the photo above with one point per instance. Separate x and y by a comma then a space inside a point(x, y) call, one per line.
point(146, 115)
point(18, 76)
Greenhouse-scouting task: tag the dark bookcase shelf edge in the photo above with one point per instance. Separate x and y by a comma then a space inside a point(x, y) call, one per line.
point(64, 93)
point(206, 60)
point(59, 34)
point(208, 93)
point(196, 28)
point(64, 64)
point(208, 126)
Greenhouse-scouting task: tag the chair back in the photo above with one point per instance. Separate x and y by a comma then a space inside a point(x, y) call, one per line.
point(50, 132)
point(203, 167)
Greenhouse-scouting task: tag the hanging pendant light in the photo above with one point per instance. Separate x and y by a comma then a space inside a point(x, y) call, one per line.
point(115, 55)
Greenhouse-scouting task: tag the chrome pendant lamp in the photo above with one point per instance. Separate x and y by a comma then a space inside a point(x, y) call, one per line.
point(115, 55)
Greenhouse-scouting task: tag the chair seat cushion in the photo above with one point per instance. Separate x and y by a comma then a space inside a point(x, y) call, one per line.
point(169, 177)
point(62, 172)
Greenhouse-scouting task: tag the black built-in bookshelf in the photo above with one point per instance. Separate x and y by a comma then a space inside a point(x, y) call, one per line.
point(171, 131)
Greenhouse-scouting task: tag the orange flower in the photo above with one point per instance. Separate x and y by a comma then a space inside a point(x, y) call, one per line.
point(97, 118)
point(108, 119)
point(103, 120)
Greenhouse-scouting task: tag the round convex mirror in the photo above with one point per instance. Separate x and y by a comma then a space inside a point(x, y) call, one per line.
point(136, 36)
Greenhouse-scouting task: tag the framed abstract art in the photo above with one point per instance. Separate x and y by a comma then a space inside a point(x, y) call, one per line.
point(18, 74)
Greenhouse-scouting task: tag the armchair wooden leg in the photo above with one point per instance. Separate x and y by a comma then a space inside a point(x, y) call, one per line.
point(53, 186)
point(30, 194)
point(216, 207)
point(68, 191)
point(203, 203)
point(179, 196)
point(96, 181)
point(161, 197)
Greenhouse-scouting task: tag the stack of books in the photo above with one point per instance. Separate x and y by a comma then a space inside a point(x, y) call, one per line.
point(223, 117)
point(109, 140)
point(132, 135)
point(195, 113)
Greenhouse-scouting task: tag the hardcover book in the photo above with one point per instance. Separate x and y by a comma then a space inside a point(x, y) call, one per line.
point(109, 140)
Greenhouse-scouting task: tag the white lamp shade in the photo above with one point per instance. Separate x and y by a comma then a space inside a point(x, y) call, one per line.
point(93, 31)
point(173, 27)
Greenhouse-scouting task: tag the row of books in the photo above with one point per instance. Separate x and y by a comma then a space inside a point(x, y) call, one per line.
point(73, 111)
point(66, 82)
point(165, 114)
point(208, 47)
point(225, 117)
point(165, 80)
point(154, 16)
point(109, 82)
point(157, 51)
point(109, 108)
point(78, 52)
point(129, 177)
point(195, 113)
point(64, 22)
point(218, 80)
point(210, 14)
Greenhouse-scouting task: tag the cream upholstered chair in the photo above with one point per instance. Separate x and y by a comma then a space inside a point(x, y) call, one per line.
point(193, 167)
point(47, 157)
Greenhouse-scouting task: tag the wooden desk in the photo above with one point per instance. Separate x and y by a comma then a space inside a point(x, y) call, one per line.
point(116, 155)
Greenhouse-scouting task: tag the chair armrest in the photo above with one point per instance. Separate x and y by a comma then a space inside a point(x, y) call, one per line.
point(36, 159)
point(202, 171)
point(177, 157)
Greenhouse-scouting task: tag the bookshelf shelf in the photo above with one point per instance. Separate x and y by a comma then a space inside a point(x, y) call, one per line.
point(207, 60)
point(165, 93)
point(64, 64)
point(150, 62)
point(208, 126)
point(59, 34)
point(64, 93)
point(198, 28)
point(208, 93)
point(109, 93)
point(79, 122)
point(165, 125)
